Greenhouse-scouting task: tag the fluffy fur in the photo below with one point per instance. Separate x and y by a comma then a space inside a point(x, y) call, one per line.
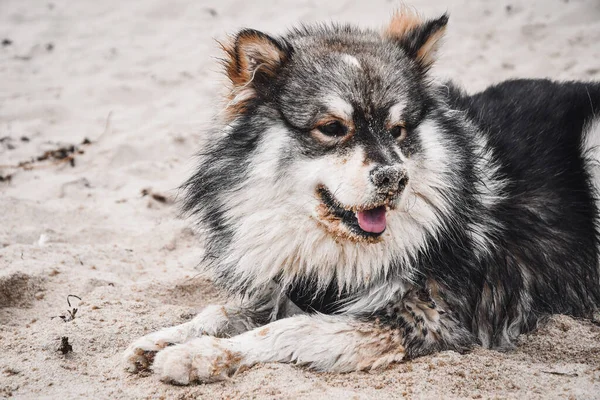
point(490, 205)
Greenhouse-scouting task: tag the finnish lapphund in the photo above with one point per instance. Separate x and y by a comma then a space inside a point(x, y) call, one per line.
point(360, 213)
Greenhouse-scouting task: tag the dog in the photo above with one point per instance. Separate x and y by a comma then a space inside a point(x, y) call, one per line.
point(362, 214)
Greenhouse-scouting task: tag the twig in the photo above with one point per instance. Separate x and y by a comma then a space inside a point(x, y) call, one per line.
point(570, 374)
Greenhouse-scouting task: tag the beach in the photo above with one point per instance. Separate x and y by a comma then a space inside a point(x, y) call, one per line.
point(102, 108)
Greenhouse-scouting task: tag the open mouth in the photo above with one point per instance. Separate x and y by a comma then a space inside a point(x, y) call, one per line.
point(364, 221)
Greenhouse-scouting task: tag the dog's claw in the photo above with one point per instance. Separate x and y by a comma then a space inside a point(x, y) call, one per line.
point(140, 355)
point(145, 361)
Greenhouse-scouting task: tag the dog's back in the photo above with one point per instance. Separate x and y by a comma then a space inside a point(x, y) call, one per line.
point(544, 136)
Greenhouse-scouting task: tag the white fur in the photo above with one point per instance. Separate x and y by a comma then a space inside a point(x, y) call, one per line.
point(490, 187)
point(339, 107)
point(375, 298)
point(326, 343)
point(430, 174)
point(284, 238)
point(591, 150)
point(351, 60)
point(242, 94)
point(395, 113)
point(347, 178)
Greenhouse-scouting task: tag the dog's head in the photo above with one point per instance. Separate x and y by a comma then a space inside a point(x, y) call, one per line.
point(331, 164)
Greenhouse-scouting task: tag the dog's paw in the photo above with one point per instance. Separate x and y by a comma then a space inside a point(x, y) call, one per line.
point(200, 360)
point(140, 354)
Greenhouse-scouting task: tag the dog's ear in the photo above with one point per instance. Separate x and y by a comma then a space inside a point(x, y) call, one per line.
point(420, 39)
point(254, 57)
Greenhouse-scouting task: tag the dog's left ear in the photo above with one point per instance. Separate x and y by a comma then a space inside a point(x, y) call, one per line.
point(419, 39)
point(254, 57)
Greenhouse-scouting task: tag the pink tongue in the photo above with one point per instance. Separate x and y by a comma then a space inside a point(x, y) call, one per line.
point(372, 220)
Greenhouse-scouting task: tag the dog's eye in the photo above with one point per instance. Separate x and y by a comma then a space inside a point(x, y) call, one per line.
point(333, 128)
point(398, 132)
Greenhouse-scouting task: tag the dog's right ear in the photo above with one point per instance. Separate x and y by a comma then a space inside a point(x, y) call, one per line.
point(419, 38)
point(254, 57)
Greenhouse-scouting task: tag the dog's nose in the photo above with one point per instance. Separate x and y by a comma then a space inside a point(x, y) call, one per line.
point(389, 178)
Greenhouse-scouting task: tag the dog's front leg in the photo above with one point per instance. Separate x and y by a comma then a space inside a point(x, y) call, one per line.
point(215, 320)
point(324, 343)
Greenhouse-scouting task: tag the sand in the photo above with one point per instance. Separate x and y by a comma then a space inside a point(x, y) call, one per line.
point(139, 81)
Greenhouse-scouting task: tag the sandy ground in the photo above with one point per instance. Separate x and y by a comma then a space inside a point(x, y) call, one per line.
point(139, 80)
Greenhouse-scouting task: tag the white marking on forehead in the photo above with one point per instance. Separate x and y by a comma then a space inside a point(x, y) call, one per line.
point(339, 107)
point(351, 60)
point(395, 113)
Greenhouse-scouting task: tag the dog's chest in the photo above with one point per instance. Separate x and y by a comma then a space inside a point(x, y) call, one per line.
point(309, 299)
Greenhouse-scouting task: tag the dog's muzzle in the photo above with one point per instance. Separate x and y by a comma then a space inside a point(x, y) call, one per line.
point(367, 220)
